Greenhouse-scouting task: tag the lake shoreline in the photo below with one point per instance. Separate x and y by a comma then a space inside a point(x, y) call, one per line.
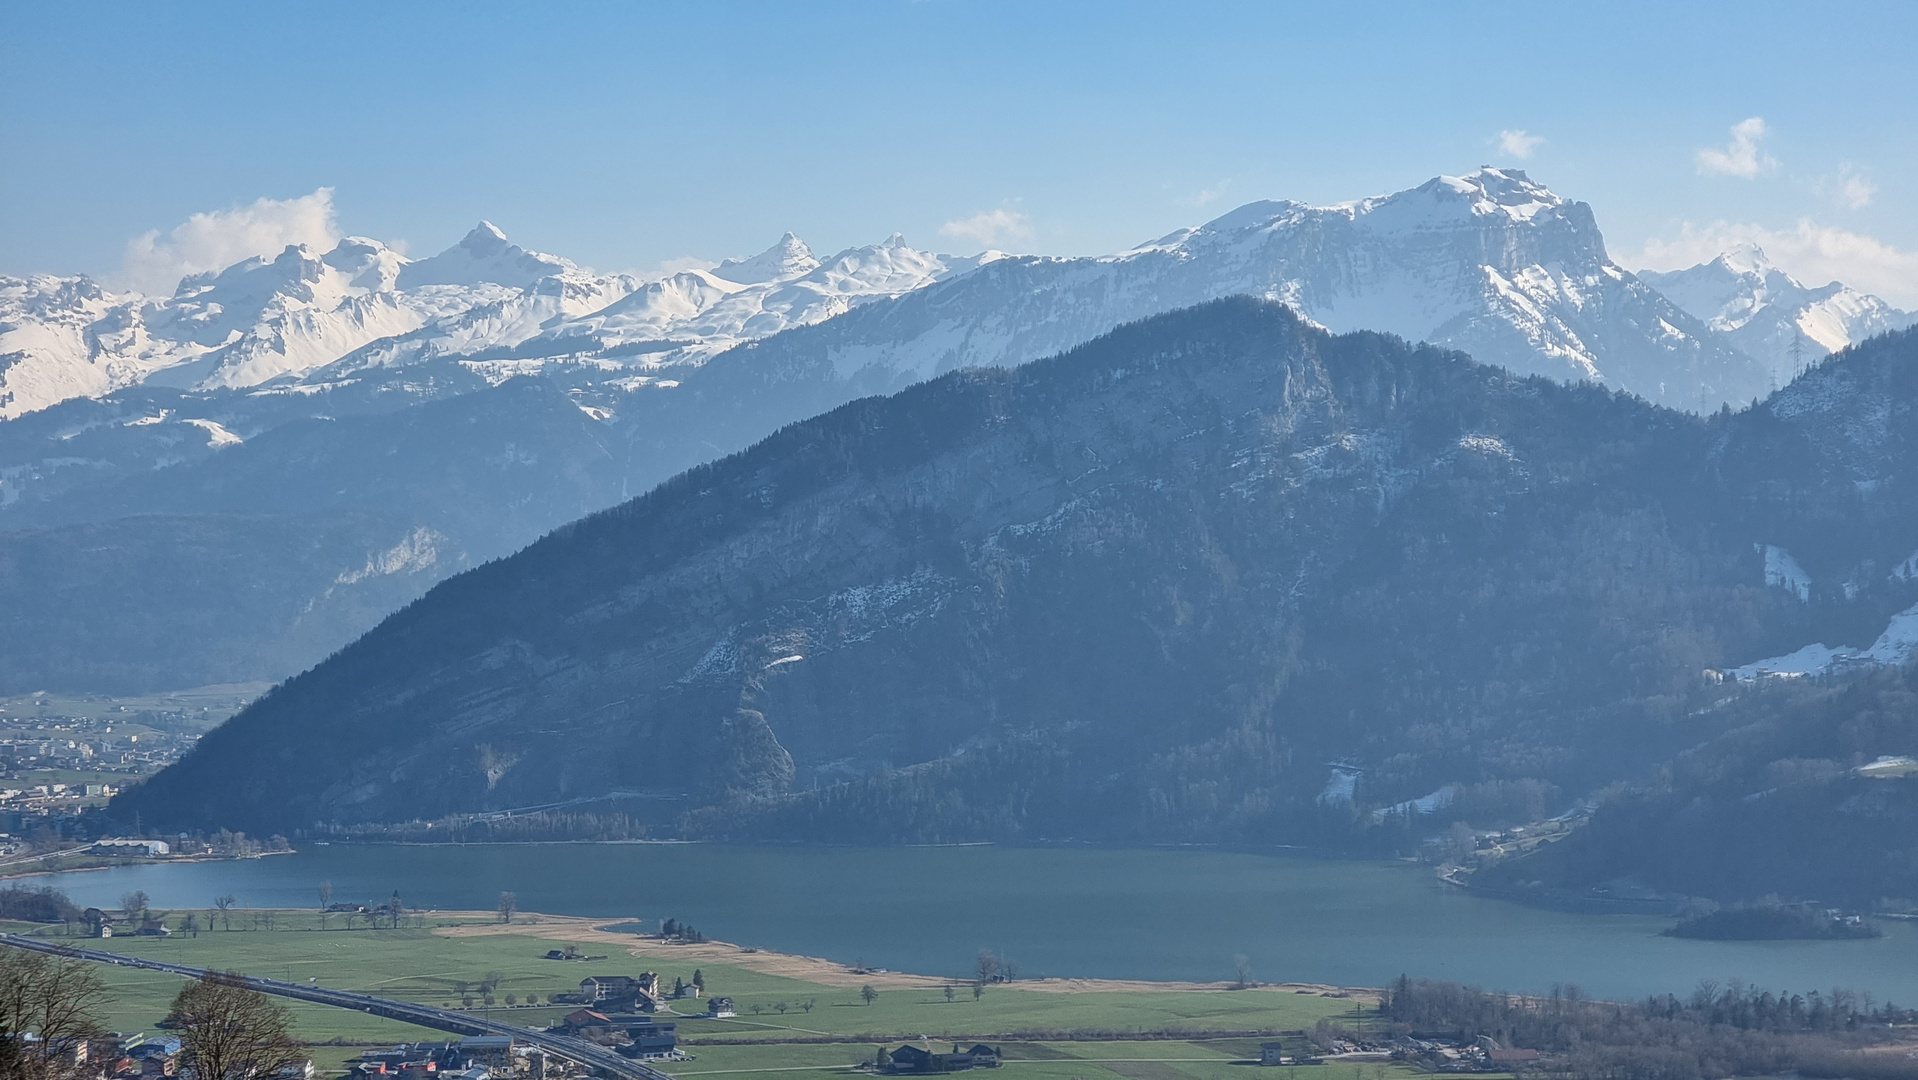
point(577, 929)
point(117, 862)
point(1123, 916)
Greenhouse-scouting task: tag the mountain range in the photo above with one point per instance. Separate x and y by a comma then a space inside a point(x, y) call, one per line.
point(412, 418)
point(1217, 576)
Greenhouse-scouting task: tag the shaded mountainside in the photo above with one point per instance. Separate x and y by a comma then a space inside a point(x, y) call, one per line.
point(1777, 803)
point(1215, 576)
point(267, 554)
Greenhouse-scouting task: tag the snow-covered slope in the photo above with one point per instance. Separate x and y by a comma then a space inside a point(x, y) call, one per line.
point(64, 337)
point(781, 288)
point(285, 316)
point(1770, 316)
point(1491, 263)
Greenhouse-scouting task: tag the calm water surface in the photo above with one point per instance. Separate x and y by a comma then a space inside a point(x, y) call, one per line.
point(1159, 914)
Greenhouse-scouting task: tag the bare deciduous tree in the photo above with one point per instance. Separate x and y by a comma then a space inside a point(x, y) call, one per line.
point(53, 997)
point(229, 1032)
point(508, 903)
point(225, 904)
point(986, 966)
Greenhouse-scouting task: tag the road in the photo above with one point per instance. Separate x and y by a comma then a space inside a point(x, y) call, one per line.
point(599, 1059)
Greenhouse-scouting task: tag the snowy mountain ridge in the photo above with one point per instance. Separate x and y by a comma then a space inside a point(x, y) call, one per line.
point(1491, 262)
point(1770, 315)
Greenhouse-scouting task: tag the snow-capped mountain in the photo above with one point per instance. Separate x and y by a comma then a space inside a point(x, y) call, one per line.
point(1491, 263)
point(272, 318)
point(64, 337)
point(1770, 316)
point(706, 312)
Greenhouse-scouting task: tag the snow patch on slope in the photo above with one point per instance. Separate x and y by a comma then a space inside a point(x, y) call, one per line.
point(1782, 571)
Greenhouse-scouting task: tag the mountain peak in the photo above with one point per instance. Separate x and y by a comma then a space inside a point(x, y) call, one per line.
point(485, 238)
point(1747, 258)
point(484, 255)
point(789, 257)
point(1492, 190)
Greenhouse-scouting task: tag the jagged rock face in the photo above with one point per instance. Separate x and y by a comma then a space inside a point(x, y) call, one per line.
point(1183, 567)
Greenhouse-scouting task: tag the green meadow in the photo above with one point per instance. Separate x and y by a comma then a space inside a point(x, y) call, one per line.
point(784, 1023)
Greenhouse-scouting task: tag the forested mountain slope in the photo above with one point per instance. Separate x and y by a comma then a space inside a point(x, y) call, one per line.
point(1217, 575)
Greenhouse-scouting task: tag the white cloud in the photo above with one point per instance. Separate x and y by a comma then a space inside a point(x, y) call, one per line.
point(990, 227)
point(1516, 142)
point(1207, 196)
point(155, 262)
point(1856, 192)
point(1848, 189)
point(1810, 252)
point(1741, 156)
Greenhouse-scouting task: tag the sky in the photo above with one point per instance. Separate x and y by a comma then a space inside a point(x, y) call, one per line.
point(141, 141)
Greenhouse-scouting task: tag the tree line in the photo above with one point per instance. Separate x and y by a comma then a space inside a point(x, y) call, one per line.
point(1720, 1029)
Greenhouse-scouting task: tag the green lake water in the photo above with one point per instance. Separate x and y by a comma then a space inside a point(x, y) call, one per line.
point(1153, 914)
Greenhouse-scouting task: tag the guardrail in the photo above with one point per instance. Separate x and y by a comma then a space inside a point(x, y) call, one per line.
point(599, 1059)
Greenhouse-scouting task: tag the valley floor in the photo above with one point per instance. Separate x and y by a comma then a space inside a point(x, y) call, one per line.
point(798, 1015)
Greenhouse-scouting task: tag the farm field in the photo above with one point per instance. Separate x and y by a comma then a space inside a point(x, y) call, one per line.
point(795, 1013)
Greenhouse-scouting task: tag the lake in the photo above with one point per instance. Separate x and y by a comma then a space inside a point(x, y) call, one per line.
point(1152, 914)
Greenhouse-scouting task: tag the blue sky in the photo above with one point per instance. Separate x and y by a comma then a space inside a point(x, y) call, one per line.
point(627, 136)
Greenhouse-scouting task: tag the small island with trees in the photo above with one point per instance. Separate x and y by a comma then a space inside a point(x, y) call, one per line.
point(1774, 921)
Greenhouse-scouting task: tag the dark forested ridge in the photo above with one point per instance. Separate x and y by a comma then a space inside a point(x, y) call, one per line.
point(1216, 576)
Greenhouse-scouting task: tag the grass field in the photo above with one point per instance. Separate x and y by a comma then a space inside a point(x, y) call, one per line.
point(435, 963)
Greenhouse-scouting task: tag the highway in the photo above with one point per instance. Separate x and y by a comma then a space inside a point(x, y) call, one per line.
point(599, 1059)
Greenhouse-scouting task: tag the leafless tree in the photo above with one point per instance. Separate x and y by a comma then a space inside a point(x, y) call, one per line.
point(228, 1032)
point(508, 903)
point(986, 966)
point(134, 903)
point(53, 997)
point(868, 994)
point(1241, 972)
point(225, 904)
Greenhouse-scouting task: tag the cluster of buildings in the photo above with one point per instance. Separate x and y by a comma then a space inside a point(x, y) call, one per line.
point(476, 1057)
point(70, 743)
point(914, 1060)
point(641, 1036)
point(619, 1012)
point(138, 1057)
point(1483, 1054)
point(31, 745)
point(105, 924)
